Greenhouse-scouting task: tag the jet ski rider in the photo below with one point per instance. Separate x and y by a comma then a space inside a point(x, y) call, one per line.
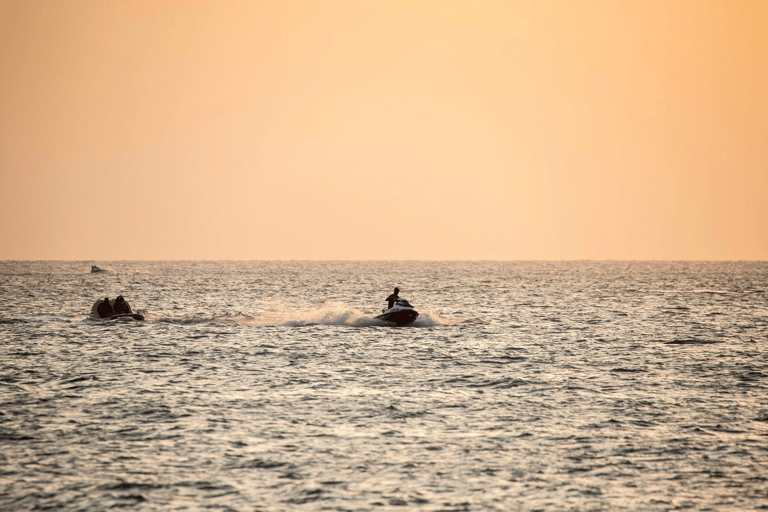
point(393, 298)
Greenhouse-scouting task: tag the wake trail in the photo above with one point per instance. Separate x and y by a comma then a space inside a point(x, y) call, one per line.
point(329, 313)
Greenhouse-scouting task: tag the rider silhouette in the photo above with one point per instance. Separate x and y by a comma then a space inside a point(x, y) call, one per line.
point(105, 308)
point(393, 298)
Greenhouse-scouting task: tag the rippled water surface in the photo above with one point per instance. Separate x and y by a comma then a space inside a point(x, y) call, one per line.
point(269, 386)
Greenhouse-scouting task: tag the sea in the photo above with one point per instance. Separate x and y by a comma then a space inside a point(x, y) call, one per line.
point(270, 386)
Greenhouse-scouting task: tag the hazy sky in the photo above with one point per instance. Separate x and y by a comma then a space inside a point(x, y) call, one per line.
point(383, 129)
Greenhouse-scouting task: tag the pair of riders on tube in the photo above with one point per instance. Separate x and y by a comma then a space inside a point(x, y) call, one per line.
point(106, 309)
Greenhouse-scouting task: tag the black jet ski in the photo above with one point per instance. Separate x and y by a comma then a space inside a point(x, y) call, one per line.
point(402, 313)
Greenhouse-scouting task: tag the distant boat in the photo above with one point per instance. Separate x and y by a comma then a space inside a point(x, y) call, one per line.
point(96, 270)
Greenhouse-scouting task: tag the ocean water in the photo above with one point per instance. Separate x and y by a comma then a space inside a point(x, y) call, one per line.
point(269, 386)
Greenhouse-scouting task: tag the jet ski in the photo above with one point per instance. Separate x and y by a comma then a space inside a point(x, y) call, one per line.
point(401, 313)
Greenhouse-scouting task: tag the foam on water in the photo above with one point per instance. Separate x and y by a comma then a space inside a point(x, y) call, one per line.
point(329, 313)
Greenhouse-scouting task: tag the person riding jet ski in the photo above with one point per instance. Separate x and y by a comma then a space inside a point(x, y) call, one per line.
point(393, 298)
point(399, 311)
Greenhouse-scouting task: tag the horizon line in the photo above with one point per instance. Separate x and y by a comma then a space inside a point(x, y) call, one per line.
point(605, 260)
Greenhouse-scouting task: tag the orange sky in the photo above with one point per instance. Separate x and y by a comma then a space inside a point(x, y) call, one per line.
point(383, 130)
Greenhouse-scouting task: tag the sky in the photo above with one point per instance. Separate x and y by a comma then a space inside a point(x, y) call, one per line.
point(383, 130)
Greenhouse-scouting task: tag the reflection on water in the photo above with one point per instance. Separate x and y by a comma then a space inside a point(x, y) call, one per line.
point(269, 386)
